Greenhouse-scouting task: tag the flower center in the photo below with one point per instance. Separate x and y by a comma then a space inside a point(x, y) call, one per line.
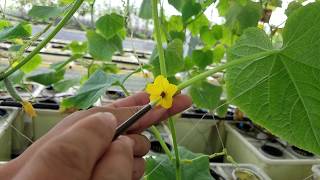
point(163, 94)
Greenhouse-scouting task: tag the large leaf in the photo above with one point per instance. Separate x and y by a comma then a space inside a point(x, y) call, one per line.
point(160, 167)
point(22, 30)
point(175, 23)
point(145, 10)
point(240, 17)
point(210, 35)
point(109, 25)
point(91, 91)
point(4, 23)
point(66, 84)
point(173, 58)
point(202, 58)
point(77, 47)
point(218, 53)
point(45, 12)
point(47, 77)
point(32, 64)
point(205, 95)
point(15, 78)
point(102, 49)
point(190, 9)
point(282, 91)
point(177, 4)
point(292, 7)
point(196, 25)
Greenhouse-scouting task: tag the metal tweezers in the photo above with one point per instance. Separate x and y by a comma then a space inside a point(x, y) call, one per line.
point(131, 120)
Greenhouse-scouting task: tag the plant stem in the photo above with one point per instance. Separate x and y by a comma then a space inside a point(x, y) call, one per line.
point(11, 90)
point(157, 28)
point(61, 66)
point(43, 43)
point(225, 66)
point(162, 143)
point(163, 70)
point(32, 40)
point(217, 154)
point(124, 89)
point(176, 150)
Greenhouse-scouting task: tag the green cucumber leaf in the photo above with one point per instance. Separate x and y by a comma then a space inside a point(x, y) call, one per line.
point(145, 10)
point(102, 49)
point(222, 108)
point(240, 17)
point(21, 30)
point(173, 58)
point(4, 24)
point(292, 7)
point(32, 64)
point(177, 4)
point(45, 12)
point(190, 9)
point(281, 92)
point(218, 53)
point(202, 58)
point(159, 167)
point(205, 95)
point(91, 90)
point(109, 25)
point(65, 84)
point(46, 77)
point(196, 25)
point(77, 47)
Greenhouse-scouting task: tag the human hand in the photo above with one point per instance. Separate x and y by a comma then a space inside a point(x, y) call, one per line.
point(80, 146)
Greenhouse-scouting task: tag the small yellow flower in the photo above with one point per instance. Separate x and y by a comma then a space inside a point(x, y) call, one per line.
point(28, 108)
point(163, 90)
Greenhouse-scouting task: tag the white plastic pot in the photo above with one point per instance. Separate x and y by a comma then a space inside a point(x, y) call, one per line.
point(229, 171)
point(6, 132)
point(33, 128)
point(199, 136)
point(245, 150)
point(316, 172)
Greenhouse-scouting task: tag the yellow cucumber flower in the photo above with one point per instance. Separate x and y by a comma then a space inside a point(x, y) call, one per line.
point(163, 90)
point(28, 108)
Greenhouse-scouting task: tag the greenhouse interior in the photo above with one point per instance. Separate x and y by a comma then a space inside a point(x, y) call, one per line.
point(160, 89)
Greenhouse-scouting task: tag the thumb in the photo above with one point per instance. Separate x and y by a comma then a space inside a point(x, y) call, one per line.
point(74, 153)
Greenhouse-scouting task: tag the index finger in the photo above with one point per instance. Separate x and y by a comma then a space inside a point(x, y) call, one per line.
point(138, 99)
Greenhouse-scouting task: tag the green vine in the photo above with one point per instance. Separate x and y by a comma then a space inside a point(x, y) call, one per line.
point(225, 66)
point(163, 69)
point(11, 90)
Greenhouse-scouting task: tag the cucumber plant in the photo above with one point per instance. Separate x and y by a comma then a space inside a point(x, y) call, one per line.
point(270, 73)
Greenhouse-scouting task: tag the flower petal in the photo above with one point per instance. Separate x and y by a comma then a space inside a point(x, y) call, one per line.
point(171, 90)
point(161, 82)
point(153, 89)
point(166, 102)
point(154, 97)
point(28, 108)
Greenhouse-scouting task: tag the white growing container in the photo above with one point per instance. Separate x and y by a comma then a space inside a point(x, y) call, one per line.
point(243, 150)
point(6, 133)
point(226, 170)
point(199, 135)
point(316, 172)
